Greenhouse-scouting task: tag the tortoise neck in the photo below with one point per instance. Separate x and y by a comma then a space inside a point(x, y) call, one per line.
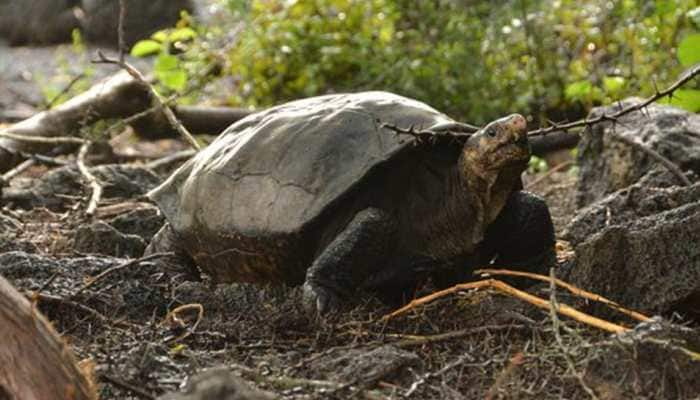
point(489, 189)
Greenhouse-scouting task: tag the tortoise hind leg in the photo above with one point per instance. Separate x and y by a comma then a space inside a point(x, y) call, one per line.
point(522, 237)
point(167, 241)
point(348, 260)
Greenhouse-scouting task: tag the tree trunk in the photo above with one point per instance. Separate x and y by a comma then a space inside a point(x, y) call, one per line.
point(34, 362)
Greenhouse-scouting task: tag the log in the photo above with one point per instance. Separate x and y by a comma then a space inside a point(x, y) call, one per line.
point(117, 97)
point(542, 145)
point(114, 97)
point(34, 361)
point(201, 120)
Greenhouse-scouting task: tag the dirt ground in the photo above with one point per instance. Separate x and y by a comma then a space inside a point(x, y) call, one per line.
point(148, 328)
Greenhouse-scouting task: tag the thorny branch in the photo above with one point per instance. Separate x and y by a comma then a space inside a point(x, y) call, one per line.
point(426, 135)
point(431, 135)
point(685, 77)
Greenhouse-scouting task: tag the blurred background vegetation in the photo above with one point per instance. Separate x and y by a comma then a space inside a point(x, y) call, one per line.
point(473, 59)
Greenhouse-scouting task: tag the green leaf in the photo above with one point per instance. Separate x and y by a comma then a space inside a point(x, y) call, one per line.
point(167, 70)
point(175, 80)
point(182, 34)
point(687, 99)
point(578, 90)
point(160, 36)
point(689, 50)
point(613, 84)
point(165, 62)
point(144, 48)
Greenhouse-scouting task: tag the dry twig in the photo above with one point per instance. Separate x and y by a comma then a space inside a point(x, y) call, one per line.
point(95, 185)
point(92, 281)
point(173, 318)
point(426, 135)
point(553, 310)
point(571, 288)
point(685, 77)
point(7, 176)
point(511, 291)
point(42, 139)
point(46, 298)
point(441, 337)
point(425, 377)
point(65, 90)
point(136, 74)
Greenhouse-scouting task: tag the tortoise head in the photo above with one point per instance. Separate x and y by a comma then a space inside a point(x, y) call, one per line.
point(500, 145)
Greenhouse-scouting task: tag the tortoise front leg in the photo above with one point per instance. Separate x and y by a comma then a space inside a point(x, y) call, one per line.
point(522, 237)
point(348, 259)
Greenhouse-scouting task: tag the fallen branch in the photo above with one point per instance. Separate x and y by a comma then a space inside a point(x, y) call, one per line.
point(7, 177)
point(114, 97)
point(117, 97)
point(119, 208)
point(511, 291)
point(571, 288)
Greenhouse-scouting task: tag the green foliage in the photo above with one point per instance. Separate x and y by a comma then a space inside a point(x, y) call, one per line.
point(475, 60)
point(689, 50)
point(536, 165)
point(169, 69)
point(303, 48)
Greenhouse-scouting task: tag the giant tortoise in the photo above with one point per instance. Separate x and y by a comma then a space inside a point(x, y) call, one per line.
point(319, 191)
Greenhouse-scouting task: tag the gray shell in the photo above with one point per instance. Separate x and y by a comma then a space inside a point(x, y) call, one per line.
point(274, 172)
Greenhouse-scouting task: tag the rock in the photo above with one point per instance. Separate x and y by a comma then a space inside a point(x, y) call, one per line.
point(217, 384)
point(51, 190)
point(607, 164)
point(639, 247)
point(653, 194)
point(53, 21)
point(656, 360)
point(37, 21)
point(363, 366)
point(102, 238)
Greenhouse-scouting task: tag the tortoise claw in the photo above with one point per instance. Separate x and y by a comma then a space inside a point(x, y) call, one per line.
point(320, 300)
